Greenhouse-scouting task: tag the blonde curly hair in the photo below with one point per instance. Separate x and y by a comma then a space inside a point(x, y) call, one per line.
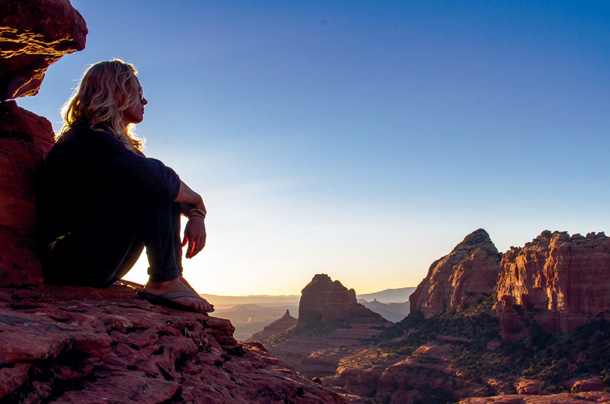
point(106, 91)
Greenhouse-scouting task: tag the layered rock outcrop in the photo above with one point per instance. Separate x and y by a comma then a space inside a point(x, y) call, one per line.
point(461, 278)
point(76, 345)
point(33, 35)
point(323, 300)
point(562, 281)
point(277, 327)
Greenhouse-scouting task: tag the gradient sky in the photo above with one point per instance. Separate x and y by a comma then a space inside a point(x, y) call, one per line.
point(362, 139)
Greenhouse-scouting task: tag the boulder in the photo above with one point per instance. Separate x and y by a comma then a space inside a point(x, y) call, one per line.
point(34, 34)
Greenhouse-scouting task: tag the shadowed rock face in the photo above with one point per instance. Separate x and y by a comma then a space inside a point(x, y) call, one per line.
point(34, 34)
point(25, 139)
point(325, 301)
point(460, 278)
point(564, 281)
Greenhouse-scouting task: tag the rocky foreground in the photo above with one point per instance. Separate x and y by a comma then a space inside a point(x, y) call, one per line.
point(82, 345)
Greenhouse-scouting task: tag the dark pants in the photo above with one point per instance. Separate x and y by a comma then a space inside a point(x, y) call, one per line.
point(109, 243)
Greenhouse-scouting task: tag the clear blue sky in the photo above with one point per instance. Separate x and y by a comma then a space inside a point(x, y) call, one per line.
point(363, 139)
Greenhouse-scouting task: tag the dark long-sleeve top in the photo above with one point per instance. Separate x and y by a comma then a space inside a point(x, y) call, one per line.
point(89, 170)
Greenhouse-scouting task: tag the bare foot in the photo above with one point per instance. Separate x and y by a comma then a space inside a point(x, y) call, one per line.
point(178, 285)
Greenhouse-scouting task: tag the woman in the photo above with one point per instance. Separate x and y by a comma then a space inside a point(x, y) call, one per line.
point(102, 200)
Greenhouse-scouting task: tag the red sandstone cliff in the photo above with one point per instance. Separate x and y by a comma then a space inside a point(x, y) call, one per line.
point(562, 281)
point(460, 278)
point(527, 349)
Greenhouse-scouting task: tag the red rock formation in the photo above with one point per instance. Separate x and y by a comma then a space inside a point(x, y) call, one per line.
point(330, 323)
point(25, 139)
point(460, 278)
point(556, 283)
point(324, 300)
point(33, 35)
point(562, 281)
point(76, 345)
point(277, 327)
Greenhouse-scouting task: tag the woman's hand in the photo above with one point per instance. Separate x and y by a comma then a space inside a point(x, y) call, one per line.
point(194, 235)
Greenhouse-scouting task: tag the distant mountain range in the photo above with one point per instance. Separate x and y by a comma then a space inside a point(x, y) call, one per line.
point(226, 302)
point(400, 295)
point(250, 314)
point(392, 304)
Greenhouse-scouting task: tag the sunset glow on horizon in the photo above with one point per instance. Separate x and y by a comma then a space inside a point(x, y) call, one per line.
point(362, 139)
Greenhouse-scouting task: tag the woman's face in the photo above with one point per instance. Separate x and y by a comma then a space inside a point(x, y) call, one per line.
point(135, 112)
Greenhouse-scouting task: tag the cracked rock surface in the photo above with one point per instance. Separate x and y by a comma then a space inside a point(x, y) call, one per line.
point(74, 345)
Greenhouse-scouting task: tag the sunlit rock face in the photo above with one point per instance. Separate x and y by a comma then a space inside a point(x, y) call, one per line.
point(562, 280)
point(25, 139)
point(33, 35)
point(461, 278)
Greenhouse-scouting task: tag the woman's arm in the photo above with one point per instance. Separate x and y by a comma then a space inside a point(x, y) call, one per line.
point(194, 232)
point(189, 197)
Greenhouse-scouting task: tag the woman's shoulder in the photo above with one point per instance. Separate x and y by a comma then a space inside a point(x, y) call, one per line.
point(83, 129)
point(85, 134)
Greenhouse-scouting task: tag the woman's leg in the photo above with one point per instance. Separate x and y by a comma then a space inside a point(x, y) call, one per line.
point(95, 257)
point(107, 248)
point(110, 246)
point(161, 235)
